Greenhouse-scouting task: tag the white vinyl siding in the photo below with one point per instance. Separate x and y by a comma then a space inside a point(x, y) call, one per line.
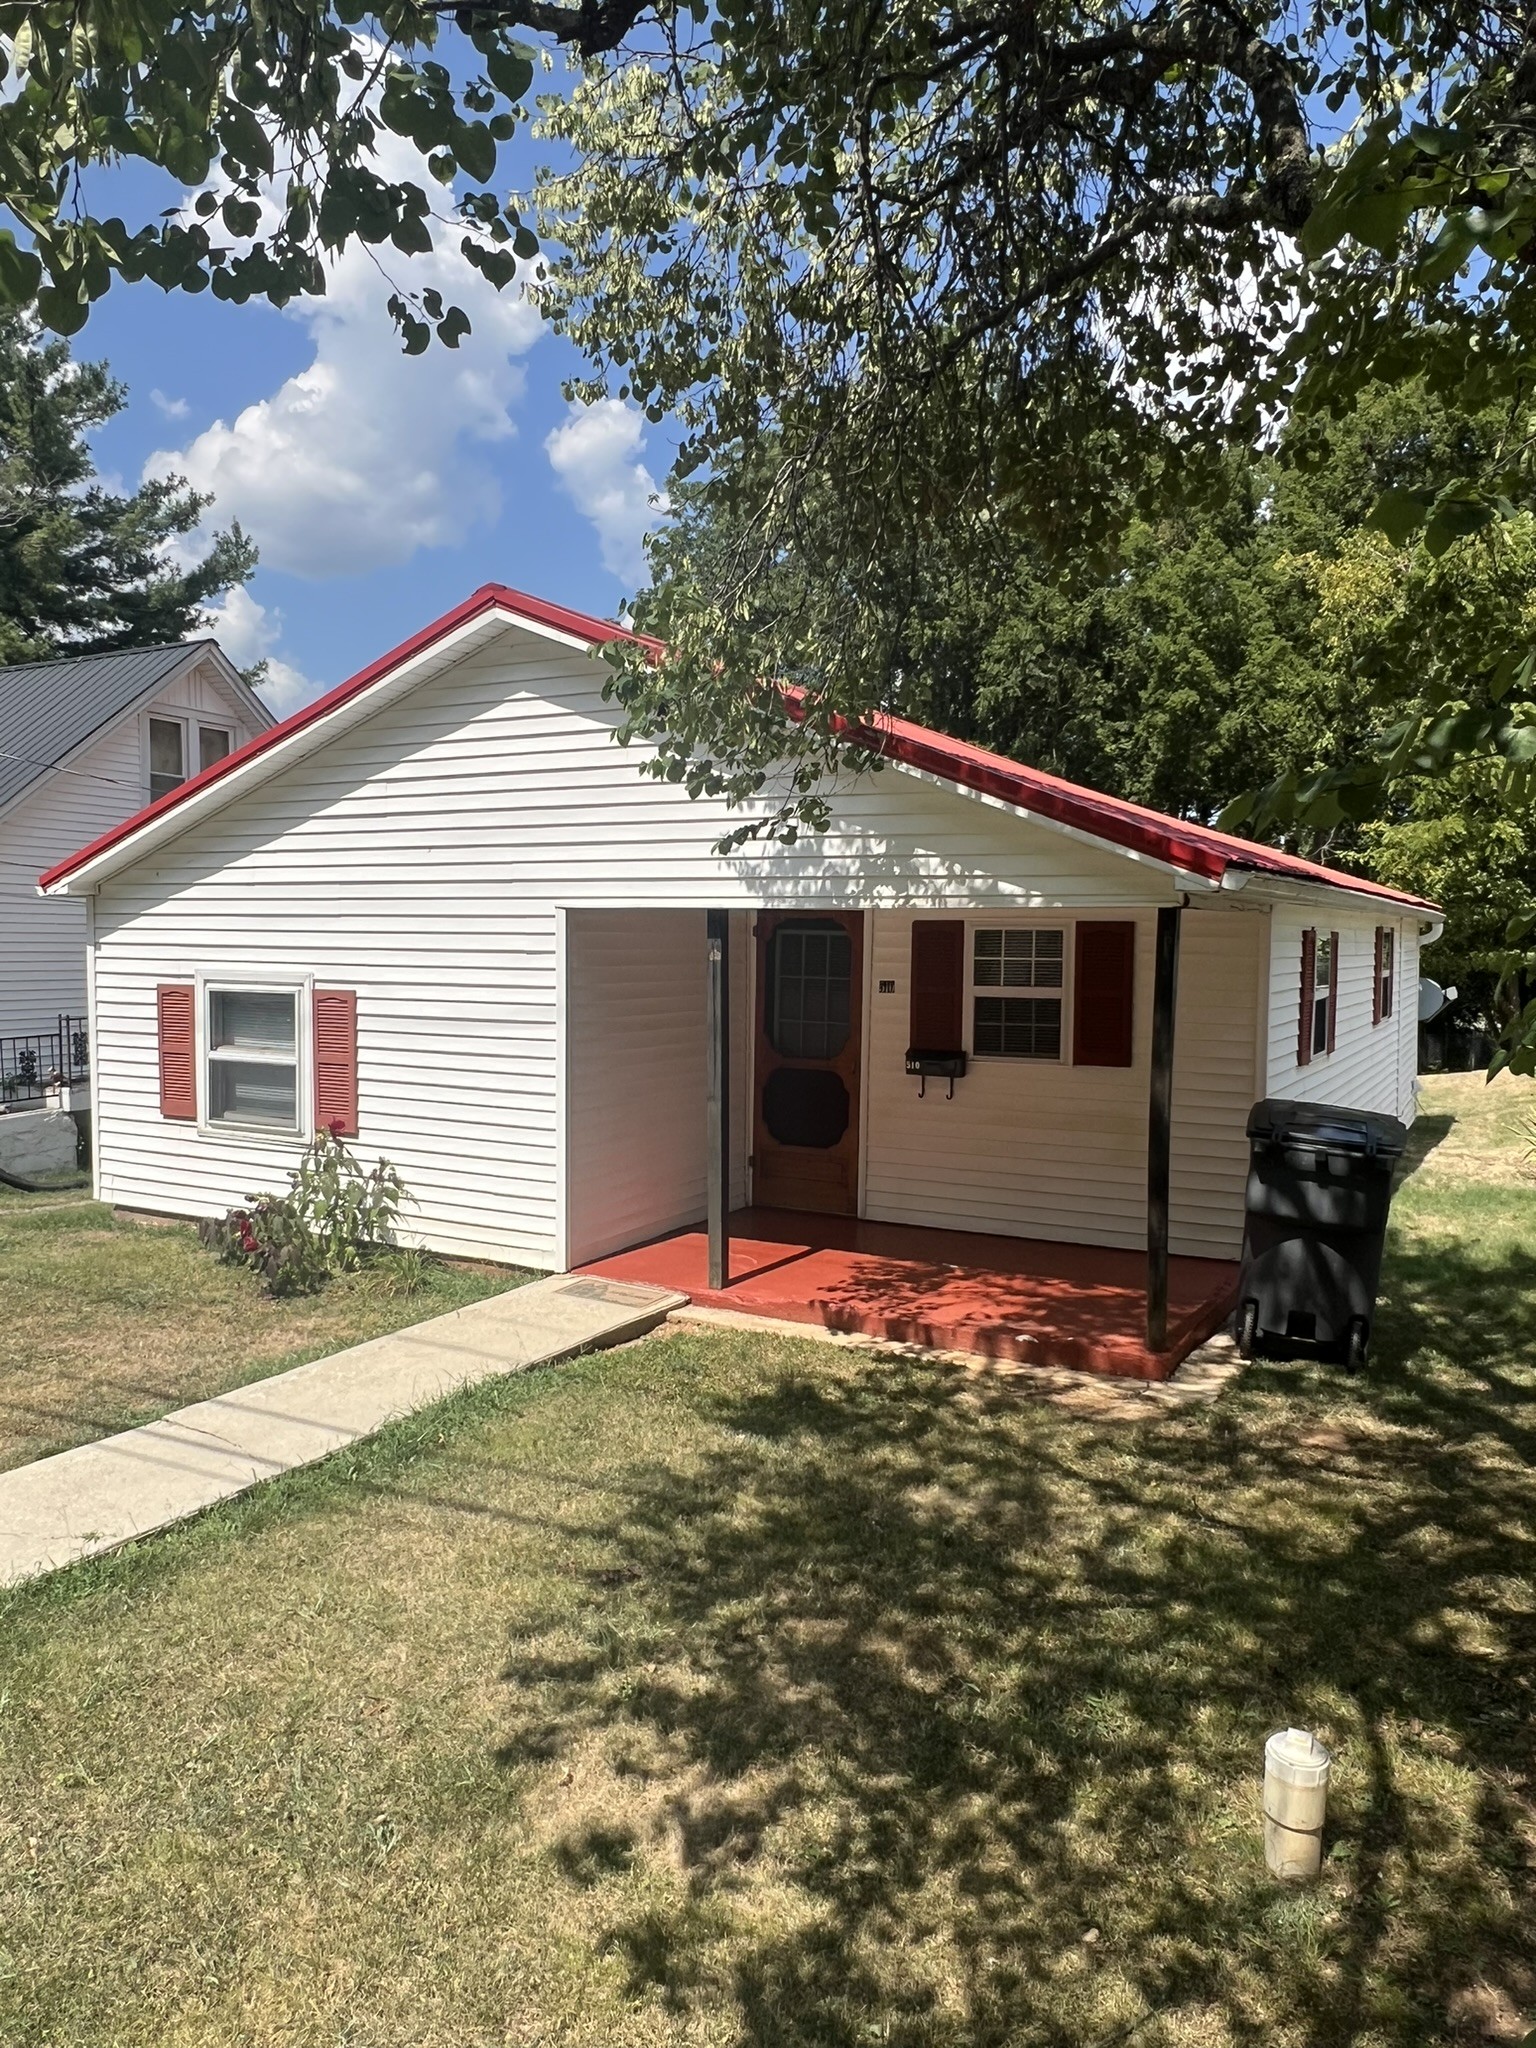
point(1040, 1149)
point(1372, 1066)
point(421, 858)
point(42, 939)
point(439, 854)
point(635, 1078)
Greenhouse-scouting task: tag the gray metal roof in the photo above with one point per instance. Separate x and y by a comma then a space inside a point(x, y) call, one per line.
point(47, 708)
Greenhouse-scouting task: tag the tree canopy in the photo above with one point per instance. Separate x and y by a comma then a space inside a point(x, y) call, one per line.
point(920, 280)
point(918, 274)
point(83, 569)
point(1254, 640)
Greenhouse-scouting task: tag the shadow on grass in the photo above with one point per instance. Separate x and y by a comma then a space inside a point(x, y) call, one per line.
point(1424, 1134)
point(947, 1712)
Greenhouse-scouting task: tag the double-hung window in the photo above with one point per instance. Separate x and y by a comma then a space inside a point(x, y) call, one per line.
point(253, 1057)
point(1323, 971)
point(1018, 977)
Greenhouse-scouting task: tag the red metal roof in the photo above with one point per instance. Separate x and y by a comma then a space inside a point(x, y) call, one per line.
point(1198, 849)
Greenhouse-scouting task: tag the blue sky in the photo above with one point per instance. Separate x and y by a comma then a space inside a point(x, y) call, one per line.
point(380, 489)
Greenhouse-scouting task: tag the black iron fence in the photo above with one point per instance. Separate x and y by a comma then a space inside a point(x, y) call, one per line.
point(34, 1061)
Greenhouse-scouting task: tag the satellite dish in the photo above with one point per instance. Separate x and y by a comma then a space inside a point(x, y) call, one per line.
point(1433, 999)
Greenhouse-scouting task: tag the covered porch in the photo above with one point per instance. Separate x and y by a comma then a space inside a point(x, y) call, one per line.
point(1019, 1299)
point(800, 1115)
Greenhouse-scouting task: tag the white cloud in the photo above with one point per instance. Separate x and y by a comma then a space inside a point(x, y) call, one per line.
point(249, 632)
point(597, 455)
point(173, 408)
point(367, 454)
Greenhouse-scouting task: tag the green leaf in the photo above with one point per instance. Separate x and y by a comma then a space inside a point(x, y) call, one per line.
point(452, 328)
point(475, 148)
point(64, 312)
point(1399, 514)
point(510, 71)
point(411, 236)
point(20, 271)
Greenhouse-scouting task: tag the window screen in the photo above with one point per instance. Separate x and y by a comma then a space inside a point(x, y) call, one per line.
point(167, 756)
point(212, 745)
point(253, 1072)
point(1028, 959)
point(1017, 1027)
point(810, 984)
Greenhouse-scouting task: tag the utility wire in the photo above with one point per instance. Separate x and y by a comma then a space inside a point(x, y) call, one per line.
point(84, 774)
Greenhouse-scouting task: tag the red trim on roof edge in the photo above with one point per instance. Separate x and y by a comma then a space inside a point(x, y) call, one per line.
point(1197, 848)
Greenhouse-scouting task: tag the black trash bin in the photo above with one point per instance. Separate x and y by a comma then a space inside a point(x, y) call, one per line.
point(1319, 1188)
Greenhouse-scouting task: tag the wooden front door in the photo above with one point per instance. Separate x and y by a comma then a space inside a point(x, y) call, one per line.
point(806, 1080)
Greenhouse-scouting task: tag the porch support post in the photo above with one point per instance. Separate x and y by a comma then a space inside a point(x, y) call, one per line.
point(717, 1141)
point(1165, 996)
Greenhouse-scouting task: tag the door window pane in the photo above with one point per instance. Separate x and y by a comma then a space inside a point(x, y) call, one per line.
point(252, 1020)
point(810, 983)
point(167, 756)
point(212, 745)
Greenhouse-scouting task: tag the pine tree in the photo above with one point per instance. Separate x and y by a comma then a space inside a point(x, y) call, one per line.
point(84, 570)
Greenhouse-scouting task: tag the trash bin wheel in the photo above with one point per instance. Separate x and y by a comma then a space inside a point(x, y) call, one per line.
point(1356, 1344)
point(1248, 1329)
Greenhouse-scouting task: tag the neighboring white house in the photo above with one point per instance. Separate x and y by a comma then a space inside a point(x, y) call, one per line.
point(444, 908)
point(86, 742)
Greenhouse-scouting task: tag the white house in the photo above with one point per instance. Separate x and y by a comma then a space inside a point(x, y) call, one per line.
point(444, 907)
point(86, 742)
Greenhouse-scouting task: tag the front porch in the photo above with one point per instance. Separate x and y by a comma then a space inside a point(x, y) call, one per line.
point(1020, 1299)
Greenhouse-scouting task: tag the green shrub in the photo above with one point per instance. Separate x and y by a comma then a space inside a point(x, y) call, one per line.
point(332, 1218)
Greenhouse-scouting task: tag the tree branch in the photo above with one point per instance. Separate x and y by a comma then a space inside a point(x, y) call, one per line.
point(594, 26)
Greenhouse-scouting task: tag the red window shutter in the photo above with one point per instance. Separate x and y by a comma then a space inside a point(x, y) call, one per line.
point(176, 1016)
point(937, 1015)
point(1376, 981)
point(335, 1054)
point(1308, 991)
point(1103, 993)
point(1334, 978)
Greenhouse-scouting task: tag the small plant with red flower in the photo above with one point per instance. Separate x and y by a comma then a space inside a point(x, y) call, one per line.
point(335, 1216)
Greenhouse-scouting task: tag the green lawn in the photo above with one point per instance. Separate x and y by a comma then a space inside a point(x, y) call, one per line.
point(107, 1322)
point(726, 1689)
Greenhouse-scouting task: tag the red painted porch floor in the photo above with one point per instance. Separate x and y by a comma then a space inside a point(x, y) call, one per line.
point(1081, 1306)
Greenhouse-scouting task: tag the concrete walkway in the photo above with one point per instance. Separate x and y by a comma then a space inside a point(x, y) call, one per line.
point(104, 1494)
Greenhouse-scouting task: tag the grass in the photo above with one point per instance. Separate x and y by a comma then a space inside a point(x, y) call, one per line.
point(733, 1690)
point(109, 1322)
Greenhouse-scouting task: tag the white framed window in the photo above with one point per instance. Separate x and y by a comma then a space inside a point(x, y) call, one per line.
point(1018, 976)
point(1386, 965)
point(254, 1056)
point(1323, 965)
point(180, 747)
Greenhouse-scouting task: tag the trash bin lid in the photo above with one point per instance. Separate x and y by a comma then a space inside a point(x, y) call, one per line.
point(1326, 1127)
point(1296, 1757)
